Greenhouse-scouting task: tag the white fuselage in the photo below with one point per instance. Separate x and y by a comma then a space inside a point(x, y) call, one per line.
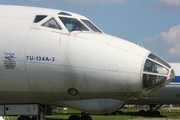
point(40, 64)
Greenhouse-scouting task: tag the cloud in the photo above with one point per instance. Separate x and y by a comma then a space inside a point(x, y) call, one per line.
point(170, 2)
point(82, 1)
point(168, 42)
point(174, 50)
point(98, 1)
point(166, 5)
point(172, 36)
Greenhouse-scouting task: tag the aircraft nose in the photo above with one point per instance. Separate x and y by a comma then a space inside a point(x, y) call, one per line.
point(156, 73)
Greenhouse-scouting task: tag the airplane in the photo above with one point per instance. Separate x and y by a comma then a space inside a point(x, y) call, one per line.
point(170, 94)
point(53, 58)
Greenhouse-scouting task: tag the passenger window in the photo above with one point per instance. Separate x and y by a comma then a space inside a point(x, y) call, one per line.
point(52, 24)
point(38, 18)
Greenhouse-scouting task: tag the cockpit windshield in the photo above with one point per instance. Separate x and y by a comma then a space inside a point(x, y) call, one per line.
point(73, 24)
point(153, 67)
point(155, 71)
point(90, 25)
point(152, 56)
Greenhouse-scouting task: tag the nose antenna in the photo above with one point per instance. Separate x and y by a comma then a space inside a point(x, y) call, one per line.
point(140, 44)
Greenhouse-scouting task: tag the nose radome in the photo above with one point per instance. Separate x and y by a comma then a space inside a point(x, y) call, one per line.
point(156, 73)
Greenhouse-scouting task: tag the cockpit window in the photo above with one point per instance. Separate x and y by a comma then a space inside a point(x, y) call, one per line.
point(153, 67)
point(38, 18)
point(89, 24)
point(154, 57)
point(52, 24)
point(155, 71)
point(150, 81)
point(73, 24)
point(64, 13)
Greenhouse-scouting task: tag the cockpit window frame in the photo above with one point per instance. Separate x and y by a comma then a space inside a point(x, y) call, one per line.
point(157, 72)
point(71, 27)
point(151, 81)
point(156, 58)
point(155, 67)
point(91, 26)
point(56, 26)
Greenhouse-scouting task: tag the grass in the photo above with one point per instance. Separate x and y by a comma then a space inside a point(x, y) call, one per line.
point(128, 114)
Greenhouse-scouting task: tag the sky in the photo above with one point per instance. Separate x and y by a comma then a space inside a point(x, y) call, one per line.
point(155, 24)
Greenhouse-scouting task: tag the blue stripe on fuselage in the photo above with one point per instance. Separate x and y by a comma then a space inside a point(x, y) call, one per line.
point(176, 79)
